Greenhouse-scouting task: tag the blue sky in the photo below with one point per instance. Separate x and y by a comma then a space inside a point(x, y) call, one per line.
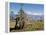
point(31, 9)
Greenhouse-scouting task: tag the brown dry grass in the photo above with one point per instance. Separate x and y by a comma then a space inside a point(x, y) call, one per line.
point(29, 27)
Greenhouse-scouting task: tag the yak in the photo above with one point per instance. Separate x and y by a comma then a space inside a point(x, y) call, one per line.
point(19, 24)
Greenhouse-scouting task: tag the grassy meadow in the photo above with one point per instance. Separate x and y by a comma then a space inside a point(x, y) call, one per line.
point(34, 26)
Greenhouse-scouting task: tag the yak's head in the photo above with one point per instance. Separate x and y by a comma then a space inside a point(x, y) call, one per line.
point(18, 24)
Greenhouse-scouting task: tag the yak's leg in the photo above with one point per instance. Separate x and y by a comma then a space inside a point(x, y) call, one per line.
point(23, 25)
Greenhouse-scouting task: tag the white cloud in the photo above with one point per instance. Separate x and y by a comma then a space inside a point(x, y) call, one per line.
point(36, 13)
point(30, 13)
point(15, 12)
